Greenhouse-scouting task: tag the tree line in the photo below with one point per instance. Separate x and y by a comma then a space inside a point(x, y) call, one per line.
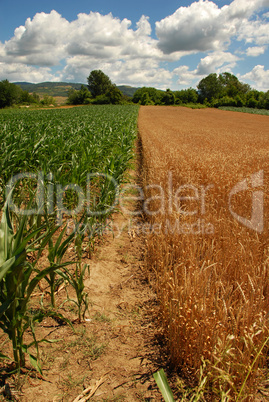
point(212, 91)
point(12, 94)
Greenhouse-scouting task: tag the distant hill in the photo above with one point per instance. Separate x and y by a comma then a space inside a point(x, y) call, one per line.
point(62, 88)
point(49, 88)
point(127, 90)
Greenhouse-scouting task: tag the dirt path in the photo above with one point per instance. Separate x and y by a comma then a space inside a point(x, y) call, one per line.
point(124, 299)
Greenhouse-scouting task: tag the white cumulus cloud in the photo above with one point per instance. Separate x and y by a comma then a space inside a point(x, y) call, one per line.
point(185, 77)
point(20, 72)
point(255, 51)
point(192, 28)
point(215, 62)
point(259, 76)
point(255, 32)
point(39, 42)
point(203, 26)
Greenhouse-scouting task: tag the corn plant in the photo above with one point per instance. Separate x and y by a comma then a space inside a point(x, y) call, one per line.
point(18, 280)
point(56, 253)
point(76, 279)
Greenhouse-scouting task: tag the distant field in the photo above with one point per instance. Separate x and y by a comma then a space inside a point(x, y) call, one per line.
point(60, 100)
point(245, 110)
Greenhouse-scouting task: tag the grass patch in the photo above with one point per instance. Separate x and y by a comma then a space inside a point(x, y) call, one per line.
point(87, 345)
point(101, 317)
point(263, 112)
point(193, 105)
point(67, 386)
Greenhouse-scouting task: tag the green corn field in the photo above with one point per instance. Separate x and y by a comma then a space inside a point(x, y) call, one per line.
point(51, 161)
point(69, 144)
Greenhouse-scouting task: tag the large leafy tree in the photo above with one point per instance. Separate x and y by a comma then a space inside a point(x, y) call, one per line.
point(232, 86)
point(98, 83)
point(210, 87)
point(81, 97)
point(224, 85)
point(9, 93)
point(168, 97)
point(114, 95)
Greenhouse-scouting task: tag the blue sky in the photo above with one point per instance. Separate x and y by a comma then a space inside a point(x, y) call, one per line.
point(172, 44)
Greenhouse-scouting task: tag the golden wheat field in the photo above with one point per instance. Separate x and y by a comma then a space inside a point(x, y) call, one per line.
point(206, 186)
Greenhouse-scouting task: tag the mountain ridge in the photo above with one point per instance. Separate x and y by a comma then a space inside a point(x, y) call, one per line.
point(62, 88)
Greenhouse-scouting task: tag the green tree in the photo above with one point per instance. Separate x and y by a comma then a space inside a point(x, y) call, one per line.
point(192, 95)
point(101, 100)
point(226, 85)
point(252, 102)
point(146, 100)
point(27, 98)
point(189, 95)
point(232, 86)
point(80, 97)
point(36, 97)
point(9, 93)
point(210, 87)
point(253, 98)
point(168, 97)
point(266, 100)
point(114, 95)
point(98, 83)
point(239, 101)
point(84, 95)
point(48, 100)
point(147, 94)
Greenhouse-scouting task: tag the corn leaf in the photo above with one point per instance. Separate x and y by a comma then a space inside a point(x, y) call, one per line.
point(5, 267)
point(4, 356)
point(163, 385)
